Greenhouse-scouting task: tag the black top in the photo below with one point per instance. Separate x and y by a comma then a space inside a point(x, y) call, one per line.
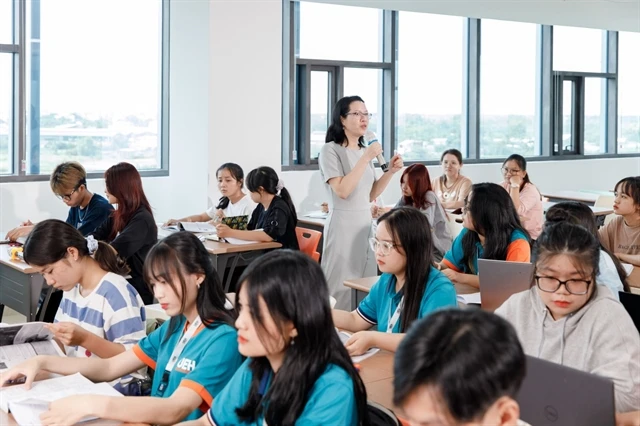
point(88, 219)
point(132, 244)
point(277, 222)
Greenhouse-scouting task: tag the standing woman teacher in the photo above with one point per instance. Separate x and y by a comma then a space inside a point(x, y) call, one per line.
point(346, 166)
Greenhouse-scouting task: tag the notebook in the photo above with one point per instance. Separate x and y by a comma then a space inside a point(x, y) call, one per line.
point(236, 222)
point(500, 279)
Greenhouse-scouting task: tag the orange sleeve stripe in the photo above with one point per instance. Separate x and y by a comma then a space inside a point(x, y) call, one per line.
point(207, 399)
point(519, 251)
point(450, 265)
point(137, 350)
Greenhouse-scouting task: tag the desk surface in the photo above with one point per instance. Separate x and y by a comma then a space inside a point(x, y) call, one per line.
point(586, 197)
point(18, 265)
point(598, 211)
point(311, 221)
point(365, 284)
point(215, 247)
point(377, 374)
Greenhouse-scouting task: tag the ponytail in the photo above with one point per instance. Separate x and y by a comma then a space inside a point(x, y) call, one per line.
point(284, 194)
point(107, 258)
point(267, 178)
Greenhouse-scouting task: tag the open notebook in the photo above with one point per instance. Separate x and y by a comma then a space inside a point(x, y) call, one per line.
point(344, 336)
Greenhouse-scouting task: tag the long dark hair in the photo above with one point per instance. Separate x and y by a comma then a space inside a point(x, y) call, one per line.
point(181, 254)
point(237, 173)
point(294, 289)
point(418, 180)
point(580, 214)
point(49, 240)
point(468, 358)
point(495, 217)
point(522, 163)
point(574, 241)
point(124, 182)
point(411, 232)
point(267, 178)
point(335, 132)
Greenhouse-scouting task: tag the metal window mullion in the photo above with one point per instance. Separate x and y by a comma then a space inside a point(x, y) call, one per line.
point(389, 81)
point(579, 115)
point(610, 102)
point(288, 82)
point(545, 92)
point(472, 89)
point(344, 64)
point(164, 82)
point(20, 159)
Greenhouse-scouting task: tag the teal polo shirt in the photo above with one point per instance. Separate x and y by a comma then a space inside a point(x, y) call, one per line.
point(331, 401)
point(519, 250)
point(383, 300)
point(206, 364)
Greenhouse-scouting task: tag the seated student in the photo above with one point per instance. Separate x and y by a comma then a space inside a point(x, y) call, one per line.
point(131, 229)
point(566, 318)
point(416, 192)
point(186, 284)
point(297, 371)
point(460, 367)
point(492, 230)
point(274, 219)
point(611, 274)
point(621, 236)
point(234, 202)
point(90, 275)
point(409, 288)
point(525, 196)
point(86, 210)
point(452, 188)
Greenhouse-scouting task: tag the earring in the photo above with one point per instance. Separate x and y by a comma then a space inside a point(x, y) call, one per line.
point(292, 342)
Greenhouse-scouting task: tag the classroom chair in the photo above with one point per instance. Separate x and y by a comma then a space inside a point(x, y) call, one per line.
point(607, 202)
point(454, 226)
point(308, 240)
point(380, 415)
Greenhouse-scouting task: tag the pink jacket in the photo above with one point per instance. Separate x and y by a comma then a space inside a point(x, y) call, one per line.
point(530, 209)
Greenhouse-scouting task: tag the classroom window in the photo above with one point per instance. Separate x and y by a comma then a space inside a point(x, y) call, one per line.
point(594, 116)
point(92, 93)
point(6, 21)
point(508, 112)
point(366, 83)
point(628, 93)
point(430, 85)
point(6, 112)
point(320, 109)
point(578, 49)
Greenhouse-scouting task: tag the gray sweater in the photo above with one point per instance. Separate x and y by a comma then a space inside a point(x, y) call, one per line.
point(600, 339)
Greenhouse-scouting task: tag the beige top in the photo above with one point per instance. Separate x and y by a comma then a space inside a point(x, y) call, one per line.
point(618, 237)
point(457, 192)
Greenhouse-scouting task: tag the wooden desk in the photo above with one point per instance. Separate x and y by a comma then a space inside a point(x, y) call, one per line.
point(20, 286)
point(377, 374)
point(597, 211)
point(584, 197)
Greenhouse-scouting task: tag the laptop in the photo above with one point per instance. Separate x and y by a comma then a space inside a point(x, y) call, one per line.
point(631, 303)
point(500, 279)
point(552, 395)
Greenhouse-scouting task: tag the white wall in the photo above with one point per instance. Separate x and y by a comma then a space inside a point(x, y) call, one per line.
point(185, 190)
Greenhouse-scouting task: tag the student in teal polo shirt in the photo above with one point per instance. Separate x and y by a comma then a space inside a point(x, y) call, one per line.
point(200, 336)
point(297, 371)
point(409, 288)
point(492, 230)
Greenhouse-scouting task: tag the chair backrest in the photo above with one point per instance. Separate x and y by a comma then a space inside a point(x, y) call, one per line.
point(454, 227)
point(308, 240)
point(380, 415)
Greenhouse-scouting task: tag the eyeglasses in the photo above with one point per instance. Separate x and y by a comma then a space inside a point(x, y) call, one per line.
point(360, 115)
point(506, 170)
point(384, 246)
point(551, 285)
point(67, 197)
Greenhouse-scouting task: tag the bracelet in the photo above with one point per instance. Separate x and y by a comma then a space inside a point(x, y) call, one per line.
point(515, 185)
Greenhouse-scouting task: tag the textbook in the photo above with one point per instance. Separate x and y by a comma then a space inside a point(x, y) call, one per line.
point(27, 405)
point(19, 342)
point(197, 227)
point(344, 336)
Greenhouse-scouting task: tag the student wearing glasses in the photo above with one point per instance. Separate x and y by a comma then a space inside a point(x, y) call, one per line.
point(86, 209)
point(525, 196)
point(566, 318)
point(346, 167)
point(410, 287)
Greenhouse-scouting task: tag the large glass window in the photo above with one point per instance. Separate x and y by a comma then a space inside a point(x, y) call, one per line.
point(320, 109)
point(6, 21)
point(594, 116)
point(340, 32)
point(578, 49)
point(95, 92)
point(430, 85)
point(6, 115)
point(366, 83)
point(507, 88)
point(629, 93)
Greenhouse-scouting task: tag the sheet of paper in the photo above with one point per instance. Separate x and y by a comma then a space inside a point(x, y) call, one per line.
point(469, 298)
point(317, 214)
point(344, 336)
point(240, 242)
point(627, 267)
point(198, 227)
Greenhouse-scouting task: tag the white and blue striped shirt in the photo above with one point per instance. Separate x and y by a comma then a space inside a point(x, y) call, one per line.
point(113, 311)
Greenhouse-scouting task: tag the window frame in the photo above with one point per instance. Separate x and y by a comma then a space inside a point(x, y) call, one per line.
point(545, 120)
point(19, 148)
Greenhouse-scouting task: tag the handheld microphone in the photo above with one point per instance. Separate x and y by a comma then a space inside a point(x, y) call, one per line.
point(370, 138)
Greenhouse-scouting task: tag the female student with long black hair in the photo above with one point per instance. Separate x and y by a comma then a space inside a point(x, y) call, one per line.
point(297, 371)
point(130, 229)
point(417, 192)
point(274, 219)
point(621, 236)
point(409, 288)
point(566, 318)
point(611, 273)
point(90, 275)
point(492, 230)
point(233, 202)
point(194, 354)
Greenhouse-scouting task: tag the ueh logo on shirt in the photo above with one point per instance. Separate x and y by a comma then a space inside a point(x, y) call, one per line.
point(185, 365)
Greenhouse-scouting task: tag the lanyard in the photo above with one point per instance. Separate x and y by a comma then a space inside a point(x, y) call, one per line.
point(177, 351)
point(396, 315)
